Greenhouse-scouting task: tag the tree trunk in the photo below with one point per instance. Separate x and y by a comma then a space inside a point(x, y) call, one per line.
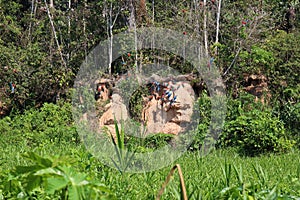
point(218, 25)
point(205, 29)
point(110, 22)
point(110, 27)
point(84, 30)
point(32, 15)
point(51, 4)
point(153, 12)
point(55, 35)
point(69, 31)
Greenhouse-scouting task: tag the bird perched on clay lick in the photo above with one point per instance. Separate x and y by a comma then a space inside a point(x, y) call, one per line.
point(156, 86)
point(155, 89)
point(172, 101)
point(162, 100)
point(169, 94)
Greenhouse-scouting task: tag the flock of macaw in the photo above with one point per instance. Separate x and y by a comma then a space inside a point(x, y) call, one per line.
point(164, 93)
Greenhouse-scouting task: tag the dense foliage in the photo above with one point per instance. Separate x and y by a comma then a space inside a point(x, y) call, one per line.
point(43, 43)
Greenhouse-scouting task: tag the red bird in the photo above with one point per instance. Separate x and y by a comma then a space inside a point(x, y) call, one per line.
point(244, 22)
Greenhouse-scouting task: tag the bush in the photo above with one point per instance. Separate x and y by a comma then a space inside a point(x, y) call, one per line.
point(290, 115)
point(51, 123)
point(149, 143)
point(204, 109)
point(255, 132)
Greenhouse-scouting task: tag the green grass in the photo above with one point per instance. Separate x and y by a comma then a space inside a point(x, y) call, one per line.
point(222, 174)
point(205, 177)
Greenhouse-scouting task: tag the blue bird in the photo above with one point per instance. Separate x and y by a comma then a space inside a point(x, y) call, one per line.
point(157, 85)
point(169, 94)
point(173, 100)
point(12, 87)
point(209, 64)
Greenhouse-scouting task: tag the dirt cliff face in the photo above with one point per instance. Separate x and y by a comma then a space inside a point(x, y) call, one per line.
point(114, 110)
point(257, 85)
point(160, 115)
point(166, 117)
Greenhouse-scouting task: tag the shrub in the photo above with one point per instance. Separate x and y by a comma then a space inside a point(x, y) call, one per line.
point(204, 111)
point(149, 143)
point(255, 132)
point(51, 123)
point(290, 115)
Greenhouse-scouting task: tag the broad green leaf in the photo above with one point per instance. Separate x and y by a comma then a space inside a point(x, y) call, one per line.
point(32, 182)
point(45, 162)
point(48, 171)
point(54, 184)
point(75, 193)
point(27, 169)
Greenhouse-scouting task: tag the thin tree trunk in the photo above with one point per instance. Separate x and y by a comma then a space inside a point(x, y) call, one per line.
point(110, 25)
point(135, 36)
point(84, 29)
point(51, 4)
point(153, 12)
point(132, 25)
point(153, 21)
point(55, 35)
point(218, 25)
point(69, 31)
point(205, 29)
point(111, 37)
point(31, 17)
point(195, 9)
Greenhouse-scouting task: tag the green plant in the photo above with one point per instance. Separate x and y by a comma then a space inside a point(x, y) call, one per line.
point(256, 132)
point(51, 178)
point(51, 123)
point(290, 115)
point(204, 111)
point(148, 143)
point(124, 156)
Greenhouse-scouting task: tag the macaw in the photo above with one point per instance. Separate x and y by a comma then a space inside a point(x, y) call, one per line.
point(245, 22)
point(162, 100)
point(169, 93)
point(173, 100)
point(211, 60)
point(12, 87)
point(165, 85)
point(157, 86)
